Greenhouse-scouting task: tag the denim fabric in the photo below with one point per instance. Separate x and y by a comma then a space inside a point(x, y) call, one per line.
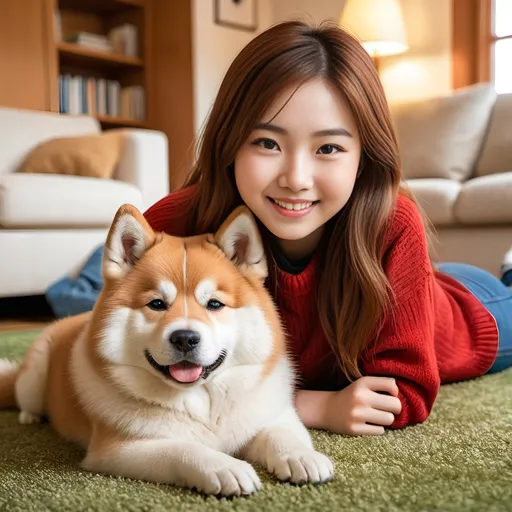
point(496, 297)
point(70, 296)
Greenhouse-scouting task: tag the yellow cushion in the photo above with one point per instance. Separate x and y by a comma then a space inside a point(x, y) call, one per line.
point(94, 156)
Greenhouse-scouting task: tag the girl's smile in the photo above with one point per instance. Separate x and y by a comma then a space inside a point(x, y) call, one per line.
point(292, 208)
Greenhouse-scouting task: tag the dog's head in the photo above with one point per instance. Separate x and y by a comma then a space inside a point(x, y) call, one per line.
point(179, 311)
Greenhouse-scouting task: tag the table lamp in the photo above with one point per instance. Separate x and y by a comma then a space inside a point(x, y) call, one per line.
point(378, 24)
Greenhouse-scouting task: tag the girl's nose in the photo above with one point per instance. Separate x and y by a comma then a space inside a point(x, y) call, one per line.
point(297, 175)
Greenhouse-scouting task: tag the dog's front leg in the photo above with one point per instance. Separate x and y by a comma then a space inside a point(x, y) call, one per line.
point(185, 464)
point(286, 450)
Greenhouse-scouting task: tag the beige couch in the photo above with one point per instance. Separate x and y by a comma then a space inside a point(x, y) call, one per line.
point(457, 160)
point(49, 224)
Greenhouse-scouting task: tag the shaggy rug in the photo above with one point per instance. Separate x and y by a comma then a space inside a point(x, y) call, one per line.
point(460, 459)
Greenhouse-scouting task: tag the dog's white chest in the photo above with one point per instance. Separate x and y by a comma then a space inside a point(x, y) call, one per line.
point(227, 415)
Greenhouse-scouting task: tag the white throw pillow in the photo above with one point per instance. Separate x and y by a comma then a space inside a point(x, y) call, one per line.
point(442, 137)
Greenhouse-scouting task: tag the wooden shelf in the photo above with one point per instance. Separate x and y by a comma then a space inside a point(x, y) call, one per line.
point(100, 6)
point(74, 53)
point(120, 122)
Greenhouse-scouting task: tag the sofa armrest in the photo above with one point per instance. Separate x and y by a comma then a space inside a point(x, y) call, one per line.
point(144, 162)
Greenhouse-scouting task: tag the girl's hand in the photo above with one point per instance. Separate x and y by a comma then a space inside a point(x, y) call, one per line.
point(360, 409)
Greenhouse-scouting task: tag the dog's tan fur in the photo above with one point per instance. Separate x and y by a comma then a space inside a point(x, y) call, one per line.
point(87, 375)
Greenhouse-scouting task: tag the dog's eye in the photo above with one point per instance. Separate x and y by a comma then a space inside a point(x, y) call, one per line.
point(214, 305)
point(157, 305)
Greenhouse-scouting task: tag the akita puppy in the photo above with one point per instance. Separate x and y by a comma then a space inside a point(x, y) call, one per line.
point(179, 375)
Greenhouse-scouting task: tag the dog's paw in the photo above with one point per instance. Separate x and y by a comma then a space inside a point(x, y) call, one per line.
point(227, 476)
point(27, 418)
point(306, 466)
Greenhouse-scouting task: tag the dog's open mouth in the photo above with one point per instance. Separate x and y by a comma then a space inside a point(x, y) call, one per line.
point(185, 372)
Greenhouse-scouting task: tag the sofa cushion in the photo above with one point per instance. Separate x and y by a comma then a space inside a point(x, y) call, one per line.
point(23, 130)
point(437, 197)
point(94, 156)
point(45, 201)
point(486, 200)
point(442, 137)
point(497, 151)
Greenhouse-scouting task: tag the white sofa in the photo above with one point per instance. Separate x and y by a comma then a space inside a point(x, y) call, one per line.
point(49, 224)
point(457, 160)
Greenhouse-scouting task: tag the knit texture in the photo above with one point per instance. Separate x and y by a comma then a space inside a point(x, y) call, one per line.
point(435, 332)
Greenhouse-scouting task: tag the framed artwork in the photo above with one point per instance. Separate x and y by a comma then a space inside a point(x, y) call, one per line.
point(239, 14)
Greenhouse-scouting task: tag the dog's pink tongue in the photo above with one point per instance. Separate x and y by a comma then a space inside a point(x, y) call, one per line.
point(185, 372)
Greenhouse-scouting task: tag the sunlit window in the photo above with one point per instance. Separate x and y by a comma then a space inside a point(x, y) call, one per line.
point(501, 52)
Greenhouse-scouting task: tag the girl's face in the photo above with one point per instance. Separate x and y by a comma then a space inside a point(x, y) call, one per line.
point(298, 167)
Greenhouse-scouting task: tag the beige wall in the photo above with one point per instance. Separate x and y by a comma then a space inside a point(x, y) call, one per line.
point(425, 70)
point(214, 48)
point(309, 10)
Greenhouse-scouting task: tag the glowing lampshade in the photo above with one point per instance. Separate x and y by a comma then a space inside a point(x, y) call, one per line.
point(378, 24)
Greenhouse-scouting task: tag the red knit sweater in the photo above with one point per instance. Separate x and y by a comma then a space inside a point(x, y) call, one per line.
point(436, 332)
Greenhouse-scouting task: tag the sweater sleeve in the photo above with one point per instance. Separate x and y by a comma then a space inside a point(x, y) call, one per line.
point(404, 348)
point(173, 213)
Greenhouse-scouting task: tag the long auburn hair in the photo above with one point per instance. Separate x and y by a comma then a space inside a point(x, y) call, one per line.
point(353, 291)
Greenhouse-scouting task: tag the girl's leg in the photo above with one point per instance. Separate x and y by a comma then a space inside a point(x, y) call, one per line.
point(496, 297)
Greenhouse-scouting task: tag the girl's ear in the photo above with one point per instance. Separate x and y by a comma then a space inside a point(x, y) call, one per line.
point(130, 236)
point(240, 240)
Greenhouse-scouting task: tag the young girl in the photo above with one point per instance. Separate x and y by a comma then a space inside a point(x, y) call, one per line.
point(301, 133)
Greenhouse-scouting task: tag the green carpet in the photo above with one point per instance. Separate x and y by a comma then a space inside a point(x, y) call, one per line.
point(461, 459)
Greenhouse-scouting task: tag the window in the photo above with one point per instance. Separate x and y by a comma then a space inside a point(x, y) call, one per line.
point(482, 43)
point(501, 45)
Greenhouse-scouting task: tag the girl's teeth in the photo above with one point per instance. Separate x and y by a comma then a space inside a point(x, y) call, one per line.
point(296, 206)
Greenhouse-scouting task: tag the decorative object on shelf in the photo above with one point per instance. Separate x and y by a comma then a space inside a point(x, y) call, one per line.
point(124, 39)
point(96, 42)
point(239, 14)
point(378, 24)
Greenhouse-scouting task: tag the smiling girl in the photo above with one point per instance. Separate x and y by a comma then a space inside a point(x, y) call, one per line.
point(301, 133)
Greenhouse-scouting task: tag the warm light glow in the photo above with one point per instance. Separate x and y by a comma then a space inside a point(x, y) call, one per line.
point(378, 24)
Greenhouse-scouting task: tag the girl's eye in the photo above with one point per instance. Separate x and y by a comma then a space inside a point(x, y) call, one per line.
point(329, 149)
point(157, 305)
point(214, 305)
point(266, 144)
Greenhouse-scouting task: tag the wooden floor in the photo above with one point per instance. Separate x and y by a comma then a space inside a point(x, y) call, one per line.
point(24, 313)
point(18, 325)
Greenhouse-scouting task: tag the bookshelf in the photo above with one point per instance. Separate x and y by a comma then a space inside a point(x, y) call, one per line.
point(102, 70)
point(32, 59)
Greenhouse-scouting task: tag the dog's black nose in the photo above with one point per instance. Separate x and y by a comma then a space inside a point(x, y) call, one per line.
point(185, 340)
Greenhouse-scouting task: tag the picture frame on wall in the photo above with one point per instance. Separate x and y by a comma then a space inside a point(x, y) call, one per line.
point(237, 14)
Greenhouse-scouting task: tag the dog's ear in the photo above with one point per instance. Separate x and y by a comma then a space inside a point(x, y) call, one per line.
point(130, 236)
point(240, 240)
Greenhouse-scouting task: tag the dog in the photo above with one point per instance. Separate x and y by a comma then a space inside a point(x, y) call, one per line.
point(180, 374)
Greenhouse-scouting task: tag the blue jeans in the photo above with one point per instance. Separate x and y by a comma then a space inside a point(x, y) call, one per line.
point(495, 296)
point(69, 296)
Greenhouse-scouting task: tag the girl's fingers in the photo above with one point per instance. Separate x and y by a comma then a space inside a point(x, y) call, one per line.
point(386, 384)
point(367, 430)
point(386, 403)
point(377, 417)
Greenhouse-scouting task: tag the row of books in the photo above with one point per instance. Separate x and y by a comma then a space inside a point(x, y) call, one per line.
point(99, 96)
